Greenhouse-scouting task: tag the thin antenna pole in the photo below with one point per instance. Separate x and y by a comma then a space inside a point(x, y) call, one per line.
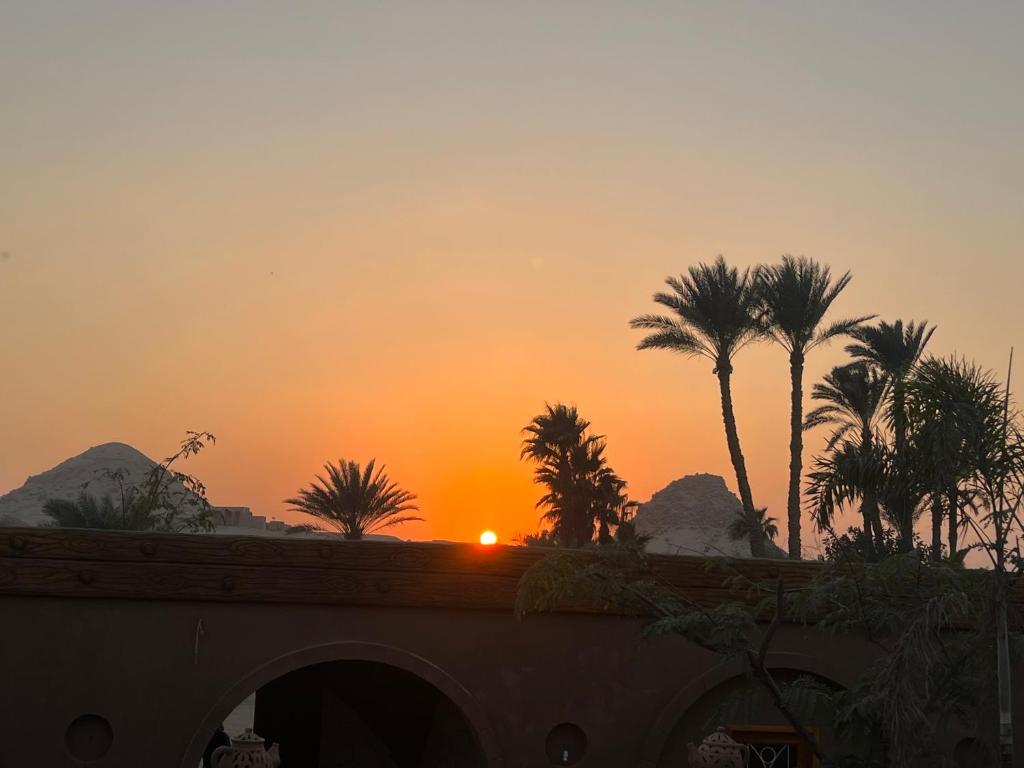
point(1003, 670)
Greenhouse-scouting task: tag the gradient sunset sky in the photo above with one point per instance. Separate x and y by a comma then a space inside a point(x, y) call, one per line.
point(397, 229)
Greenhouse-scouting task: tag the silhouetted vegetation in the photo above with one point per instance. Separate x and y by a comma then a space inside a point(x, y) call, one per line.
point(852, 397)
point(354, 501)
point(164, 500)
point(908, 435)
point(739, 527)
point(794, 298)
point(584, 497)
point(715, 312)
point(88, 511)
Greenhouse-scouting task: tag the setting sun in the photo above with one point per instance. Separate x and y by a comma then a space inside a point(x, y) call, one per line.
point(488, 538)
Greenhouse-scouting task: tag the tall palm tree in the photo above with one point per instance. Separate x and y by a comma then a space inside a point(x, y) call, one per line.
point(894, 349)
point(714, 315)
point(355, 501)
point(852, 397)
point(795, 295)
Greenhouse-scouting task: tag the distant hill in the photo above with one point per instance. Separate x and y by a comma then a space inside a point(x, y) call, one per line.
point(89, 472)
point(691, 516)
point(85, 472)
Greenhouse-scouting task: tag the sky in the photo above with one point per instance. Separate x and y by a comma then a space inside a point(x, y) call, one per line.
point(396, 230)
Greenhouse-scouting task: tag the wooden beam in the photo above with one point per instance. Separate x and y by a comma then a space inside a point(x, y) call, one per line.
point(164, 566)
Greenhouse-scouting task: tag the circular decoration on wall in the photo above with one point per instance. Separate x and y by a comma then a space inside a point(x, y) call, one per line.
point(89, 737)
point(566, 744)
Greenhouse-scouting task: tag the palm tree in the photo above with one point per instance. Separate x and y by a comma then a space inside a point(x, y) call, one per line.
point(583, 492)
point(739, 527)
point(558, 443)
point(852, 397)
point(894, 350)
point(714, 315)
point(897, 482)
point(954, 408)
point(89, 512)
point(612, 509)
point(795, 296)
point(355, 501)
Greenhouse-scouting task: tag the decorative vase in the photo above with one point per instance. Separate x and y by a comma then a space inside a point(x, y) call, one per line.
point(718, 750)
point(246, 751)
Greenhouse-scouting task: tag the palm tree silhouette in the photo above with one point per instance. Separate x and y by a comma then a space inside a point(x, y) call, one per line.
point(715, 315)
point(955, 410)
point(583, 492)
point(852, 397)
point(355, 501)
point(795, 296)
point(894, 349)
point(89, 512)
point(739, 526)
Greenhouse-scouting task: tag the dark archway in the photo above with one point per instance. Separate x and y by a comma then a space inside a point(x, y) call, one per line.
point(685, 717)
point(360, 704)
point(366, 714)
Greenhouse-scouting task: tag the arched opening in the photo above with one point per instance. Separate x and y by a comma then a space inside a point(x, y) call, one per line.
point(391, 711)
point(748, 715)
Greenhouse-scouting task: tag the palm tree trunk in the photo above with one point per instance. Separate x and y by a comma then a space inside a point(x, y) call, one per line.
point(937, 514)
point(724, 370)
point(868, 523)
point(796, 449)
point(953, 502)
point(869, 501)
point(876, 521)
point(899, 417)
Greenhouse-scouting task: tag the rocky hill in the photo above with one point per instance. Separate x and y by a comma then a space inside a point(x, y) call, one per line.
point(691, 516)
point(85, 472)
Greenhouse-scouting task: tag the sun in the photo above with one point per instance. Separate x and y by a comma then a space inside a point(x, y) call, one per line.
point(488, 538)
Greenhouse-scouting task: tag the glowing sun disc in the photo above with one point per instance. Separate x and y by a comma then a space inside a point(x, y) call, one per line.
point(488, 538)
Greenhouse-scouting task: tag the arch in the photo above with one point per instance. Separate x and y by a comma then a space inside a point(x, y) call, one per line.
point(721, 673)
point(347, 651)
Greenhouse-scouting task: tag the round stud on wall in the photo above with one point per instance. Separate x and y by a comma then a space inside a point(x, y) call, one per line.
point(566, 744)
point(89, 737)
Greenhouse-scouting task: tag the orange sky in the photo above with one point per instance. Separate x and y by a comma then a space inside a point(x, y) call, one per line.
point(397, 232)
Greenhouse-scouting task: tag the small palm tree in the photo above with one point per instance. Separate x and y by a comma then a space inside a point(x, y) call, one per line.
point(897, 482)
point(355, 501)
point(89, 512)
point(714, 315)
point(852, 397)
point(795, 296)
point(739, 527)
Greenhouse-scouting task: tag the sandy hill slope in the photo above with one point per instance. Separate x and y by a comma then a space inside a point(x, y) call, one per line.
point(85, 472)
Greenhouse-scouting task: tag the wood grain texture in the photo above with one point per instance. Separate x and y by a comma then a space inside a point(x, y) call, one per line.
point(159, 566)
point(248, 584)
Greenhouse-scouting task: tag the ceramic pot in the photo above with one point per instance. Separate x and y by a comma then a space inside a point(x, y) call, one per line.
point(246, 751)
point(718, 750)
